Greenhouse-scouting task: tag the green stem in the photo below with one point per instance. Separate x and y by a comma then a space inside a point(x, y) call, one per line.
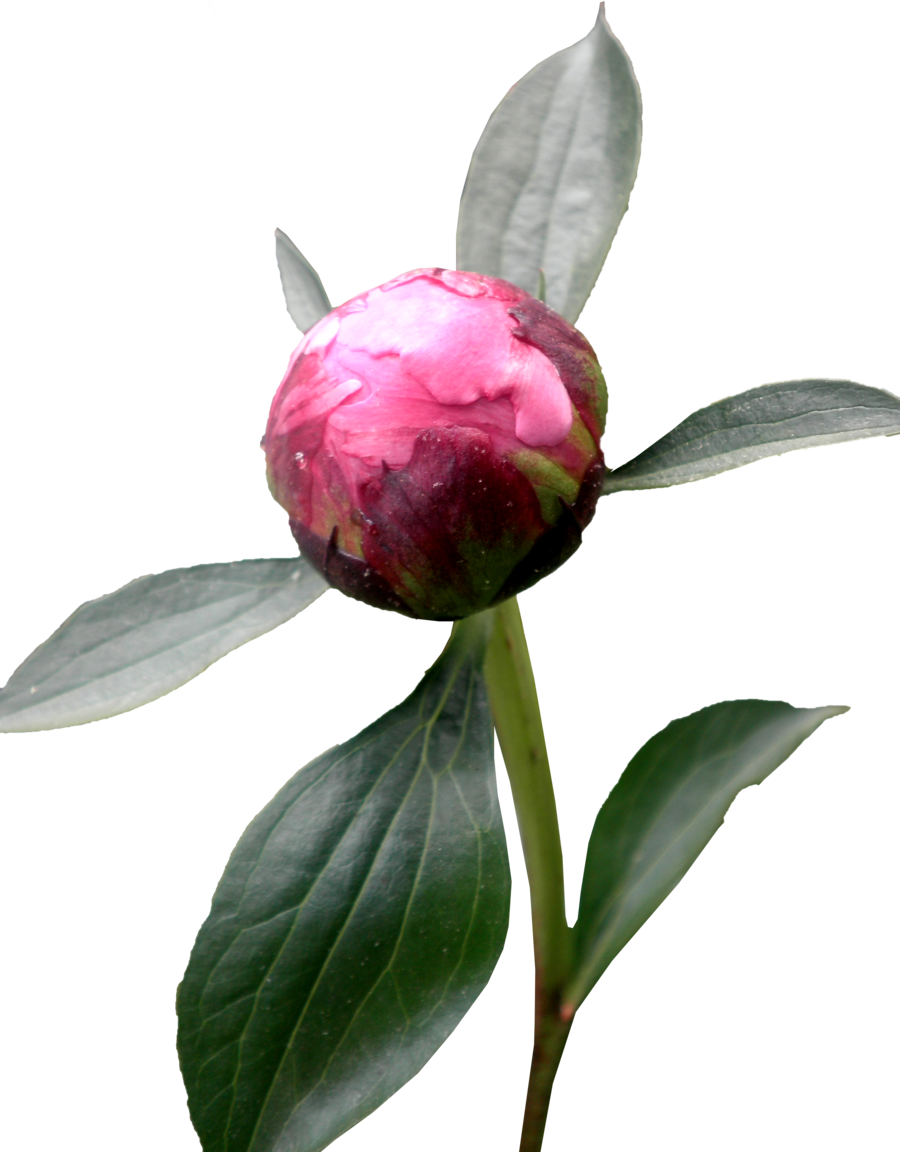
point(517, 718)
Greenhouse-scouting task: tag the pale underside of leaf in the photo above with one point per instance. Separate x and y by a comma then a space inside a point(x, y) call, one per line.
point(550, 177)
point(150, 637)
point(358, 918)
point(665, 809)
point(766, 421)
point(304, 295)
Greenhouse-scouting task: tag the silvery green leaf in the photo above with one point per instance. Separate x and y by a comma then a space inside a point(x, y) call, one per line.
point(763, 422)
point(551, 175)
point(134, 645)
point(304, 295)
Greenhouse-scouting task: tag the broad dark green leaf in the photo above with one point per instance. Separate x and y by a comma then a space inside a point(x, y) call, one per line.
point(304, 295)
point(665, 809)
point(551, 175)
point(762, 422)
point(153, 635)
point(359, 916)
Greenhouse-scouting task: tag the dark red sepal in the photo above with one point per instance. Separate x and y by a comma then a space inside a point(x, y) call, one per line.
point(553, 549)
point(589, 493)
point(347, 573)
point(446, 531)
point(559, 542)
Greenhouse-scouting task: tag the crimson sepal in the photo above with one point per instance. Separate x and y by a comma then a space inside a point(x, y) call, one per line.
point(559, 542)
point(446, 531)
point(349, 574)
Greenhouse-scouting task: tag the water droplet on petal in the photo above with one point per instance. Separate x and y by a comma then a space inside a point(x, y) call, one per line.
point(300, 459)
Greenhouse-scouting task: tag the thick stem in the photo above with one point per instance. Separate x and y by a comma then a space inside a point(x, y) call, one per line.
point(517, 718)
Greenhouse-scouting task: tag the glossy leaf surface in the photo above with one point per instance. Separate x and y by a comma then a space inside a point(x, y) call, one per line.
point(763, 422)
point(551, 175)
point(134, 645)
point(304, 295)
point(359, 916)
point(665, 809)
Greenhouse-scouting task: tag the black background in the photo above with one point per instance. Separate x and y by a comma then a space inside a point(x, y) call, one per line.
point(150, 152)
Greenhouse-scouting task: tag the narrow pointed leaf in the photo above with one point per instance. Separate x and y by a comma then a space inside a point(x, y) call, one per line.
point(304, 295)
point(762, 422)
point(134, 645)
point(359, 916)
point(665, 809)
point(551, 175)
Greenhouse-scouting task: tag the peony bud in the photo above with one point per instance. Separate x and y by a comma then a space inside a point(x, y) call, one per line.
point(436, 442)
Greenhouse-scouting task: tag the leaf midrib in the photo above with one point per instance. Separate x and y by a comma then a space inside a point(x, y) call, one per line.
point(451, 680)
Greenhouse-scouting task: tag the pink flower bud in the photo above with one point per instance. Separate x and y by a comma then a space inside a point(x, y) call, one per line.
point(436, 442)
